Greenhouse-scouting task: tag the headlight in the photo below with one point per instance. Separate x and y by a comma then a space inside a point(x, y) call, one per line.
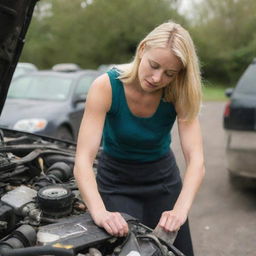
point(30, 125)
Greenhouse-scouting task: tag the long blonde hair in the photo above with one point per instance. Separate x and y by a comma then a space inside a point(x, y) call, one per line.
point(185, 91)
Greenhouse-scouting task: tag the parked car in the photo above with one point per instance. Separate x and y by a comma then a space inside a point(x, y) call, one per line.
point(48, 102)
point(240, 126)
point(105, 67)
point(41, 210)
point(23, 68)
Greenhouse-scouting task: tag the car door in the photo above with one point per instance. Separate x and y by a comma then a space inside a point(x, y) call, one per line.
point(79, 98)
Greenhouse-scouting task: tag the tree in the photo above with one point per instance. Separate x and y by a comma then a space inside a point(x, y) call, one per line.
point(94, 32)
point(225, 33)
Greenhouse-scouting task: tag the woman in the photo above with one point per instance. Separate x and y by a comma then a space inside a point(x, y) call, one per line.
point(135, 108)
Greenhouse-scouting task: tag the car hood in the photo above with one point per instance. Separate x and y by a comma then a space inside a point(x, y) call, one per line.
point(28, 109)
point(15, 17)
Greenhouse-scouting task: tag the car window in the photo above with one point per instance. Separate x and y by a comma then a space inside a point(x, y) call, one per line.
point(40, 87)
point(84, 85)
point(19, 72)
point(247, 83)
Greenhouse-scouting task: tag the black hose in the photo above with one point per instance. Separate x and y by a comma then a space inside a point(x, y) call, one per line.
point(36, 250)
point(17, 171)
point(49, 220)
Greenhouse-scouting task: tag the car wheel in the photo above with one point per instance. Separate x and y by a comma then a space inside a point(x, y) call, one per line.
point(238, 182)
point(234, 180)
point(64, 133)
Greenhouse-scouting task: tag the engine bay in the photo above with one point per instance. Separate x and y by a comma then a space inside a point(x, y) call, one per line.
point(41, 211)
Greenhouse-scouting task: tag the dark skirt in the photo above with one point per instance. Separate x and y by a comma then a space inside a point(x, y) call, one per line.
point(143, 190)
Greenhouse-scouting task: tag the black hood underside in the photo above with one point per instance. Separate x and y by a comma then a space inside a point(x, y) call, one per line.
point(15, 17)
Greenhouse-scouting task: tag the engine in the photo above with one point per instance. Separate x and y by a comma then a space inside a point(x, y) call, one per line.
point(42, 213)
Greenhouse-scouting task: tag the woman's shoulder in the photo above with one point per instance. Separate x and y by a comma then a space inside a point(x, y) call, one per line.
point(101, 83)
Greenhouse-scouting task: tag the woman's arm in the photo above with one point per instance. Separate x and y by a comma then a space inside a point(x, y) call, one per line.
point(191, 143)
point(98, 102)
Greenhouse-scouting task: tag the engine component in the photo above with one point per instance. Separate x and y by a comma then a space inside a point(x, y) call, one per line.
point(7, 219)
point(60, 170)
point(19, 197)
point(55, 200)
point(32, 212)
point(77, 231)
point(23, 236)
point(35, 163)
point(36, 250)
point(22, 243)
point(80, 232)
point(144, 245)
point(93, 252)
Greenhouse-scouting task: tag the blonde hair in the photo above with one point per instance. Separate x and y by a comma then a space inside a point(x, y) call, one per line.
point(185, 91)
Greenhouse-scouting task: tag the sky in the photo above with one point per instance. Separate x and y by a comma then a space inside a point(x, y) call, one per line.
point(187, 4)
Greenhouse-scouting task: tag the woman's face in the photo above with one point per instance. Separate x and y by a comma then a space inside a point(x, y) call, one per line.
point(158, 67)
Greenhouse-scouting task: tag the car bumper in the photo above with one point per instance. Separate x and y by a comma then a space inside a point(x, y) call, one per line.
point(241, 153)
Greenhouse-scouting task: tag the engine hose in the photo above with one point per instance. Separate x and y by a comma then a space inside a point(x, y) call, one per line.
point(155, 240)
point(48, 220)
point(36, 250)
point(16, 172)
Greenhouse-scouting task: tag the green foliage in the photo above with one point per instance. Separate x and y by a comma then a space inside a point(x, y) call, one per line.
point(225, 33)
point(95, 32)
point(213, 91)
point(91, 33)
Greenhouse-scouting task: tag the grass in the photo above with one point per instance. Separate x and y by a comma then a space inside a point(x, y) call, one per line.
point(214, 92)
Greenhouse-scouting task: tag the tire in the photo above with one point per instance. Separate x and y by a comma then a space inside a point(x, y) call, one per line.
point(235, 181)
point(241, 183)
point(64, 133)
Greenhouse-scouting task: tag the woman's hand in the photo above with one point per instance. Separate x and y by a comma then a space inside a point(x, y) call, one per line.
point(172, 220)
point(112, 222)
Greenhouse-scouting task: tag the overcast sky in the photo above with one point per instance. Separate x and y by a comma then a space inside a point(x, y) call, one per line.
point(186, 5)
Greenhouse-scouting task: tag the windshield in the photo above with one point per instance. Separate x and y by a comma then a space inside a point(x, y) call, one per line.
point(40, 88)
point(19, 72)
point(247, 83)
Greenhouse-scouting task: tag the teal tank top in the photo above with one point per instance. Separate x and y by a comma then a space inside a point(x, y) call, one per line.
point(128, 137)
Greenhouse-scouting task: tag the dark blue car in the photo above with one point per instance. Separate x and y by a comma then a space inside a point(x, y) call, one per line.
point(48, 102)
point(240, 125)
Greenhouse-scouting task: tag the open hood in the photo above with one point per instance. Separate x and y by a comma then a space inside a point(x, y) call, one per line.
point(15, 17)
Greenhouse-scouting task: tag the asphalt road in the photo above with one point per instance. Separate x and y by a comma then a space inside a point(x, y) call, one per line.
point(222, 219)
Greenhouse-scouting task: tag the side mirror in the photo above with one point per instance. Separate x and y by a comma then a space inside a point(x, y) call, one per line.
point(229, 92)
point(79, 99)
